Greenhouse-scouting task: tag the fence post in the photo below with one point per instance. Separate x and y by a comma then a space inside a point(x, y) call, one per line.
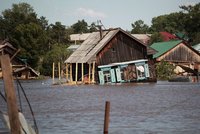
point(107, 117)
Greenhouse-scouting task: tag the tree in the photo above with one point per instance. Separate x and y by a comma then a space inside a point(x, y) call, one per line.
point(186, 21)
point(58, 53)
point(93, 28)
point(164, 70)
point(139, 27)
point(26, 31)
point(191, 21)
point(170, 23)
point(155, 37)
point(80, 27)
point(57, 33)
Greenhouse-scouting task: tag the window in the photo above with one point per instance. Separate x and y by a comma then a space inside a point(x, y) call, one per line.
point(107, 76)
point(140, 72)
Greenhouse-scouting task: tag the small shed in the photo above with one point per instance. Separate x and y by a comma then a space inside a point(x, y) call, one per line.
point(178, 53)
point(104, 48)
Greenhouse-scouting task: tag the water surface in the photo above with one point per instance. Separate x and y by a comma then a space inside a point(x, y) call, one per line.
point(144, 108)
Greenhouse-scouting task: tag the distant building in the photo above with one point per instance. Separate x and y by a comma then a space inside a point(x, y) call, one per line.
point(20, 68)
point(79, 38)
point(145, 38)
point(180, 54)
point(166, 36)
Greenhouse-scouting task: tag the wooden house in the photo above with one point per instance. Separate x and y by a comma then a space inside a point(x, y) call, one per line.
point(20, 68)
point(184, 57)
point(104, 48)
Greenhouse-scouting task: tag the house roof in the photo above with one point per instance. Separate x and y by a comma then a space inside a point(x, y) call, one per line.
point(26, 68)
point(79, 37)
point(73, 47)
point(4, 44)
point(93, 44)
point(163, 47)
point(142, 37)
point(167, 36)
point(197, 47)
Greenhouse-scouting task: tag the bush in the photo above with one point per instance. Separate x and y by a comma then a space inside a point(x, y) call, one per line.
point(164, 70)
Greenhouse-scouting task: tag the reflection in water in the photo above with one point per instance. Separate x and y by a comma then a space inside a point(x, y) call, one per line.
point(135, 108)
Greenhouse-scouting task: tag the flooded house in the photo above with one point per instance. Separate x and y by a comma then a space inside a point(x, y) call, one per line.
point(20, 68)
point(184, 57)
point(108, 55)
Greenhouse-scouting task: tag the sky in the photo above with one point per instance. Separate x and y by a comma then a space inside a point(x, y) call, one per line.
point(112, 13)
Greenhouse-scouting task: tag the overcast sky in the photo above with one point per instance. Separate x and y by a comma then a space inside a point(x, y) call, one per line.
point(112, 13)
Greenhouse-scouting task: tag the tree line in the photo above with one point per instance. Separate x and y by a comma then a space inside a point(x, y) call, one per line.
point(42, 43)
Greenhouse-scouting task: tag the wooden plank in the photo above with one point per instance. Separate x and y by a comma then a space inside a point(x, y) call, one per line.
point(93, 72)
point(67, 72)
point(71, 79)
point(53, 70)
point(82, 72)
point(107, 117)
point(76, 72)
point(59, 71)
point(10, 94)
point(89, 73)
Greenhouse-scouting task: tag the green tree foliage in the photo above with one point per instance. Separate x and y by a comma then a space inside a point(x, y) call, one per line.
point(170, 23)
point(57, 33)
point(186, 21)
point(191, 21)
point(164, 70)
point(25, 31)
point(80, 27)
point(139, 27)
point(58, 53)
point(155, 37)
point(93, 28)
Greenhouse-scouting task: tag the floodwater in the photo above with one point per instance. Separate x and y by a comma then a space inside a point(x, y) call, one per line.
point(143, 108)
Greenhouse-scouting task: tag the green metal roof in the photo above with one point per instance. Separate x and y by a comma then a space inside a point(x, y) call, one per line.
point(163, 47)
point(197, 47)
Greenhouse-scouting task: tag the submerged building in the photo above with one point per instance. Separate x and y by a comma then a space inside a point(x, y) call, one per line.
point(114, 53)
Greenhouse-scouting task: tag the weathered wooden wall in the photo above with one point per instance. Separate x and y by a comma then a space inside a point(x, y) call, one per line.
point(120, 49)
point(180, 53)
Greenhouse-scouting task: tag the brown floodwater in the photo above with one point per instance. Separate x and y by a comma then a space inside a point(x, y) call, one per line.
point(143, 108)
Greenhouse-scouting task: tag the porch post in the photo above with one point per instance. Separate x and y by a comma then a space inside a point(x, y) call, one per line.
point(89, 72)
point(82, 71)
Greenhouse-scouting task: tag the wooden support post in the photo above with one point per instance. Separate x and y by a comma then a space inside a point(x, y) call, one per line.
point(14, 54)
point(67, 72)
point(82, 65)
point(10, 94)
point(59, 71)
point(53, 70)
point(93, 72)
point(71, 78)
point(107, 117)
point(89, 74)
point(76, 72)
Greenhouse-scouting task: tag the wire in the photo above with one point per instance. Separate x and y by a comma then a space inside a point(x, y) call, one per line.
point(4, 98)
point(20, 102)
point(34, 120)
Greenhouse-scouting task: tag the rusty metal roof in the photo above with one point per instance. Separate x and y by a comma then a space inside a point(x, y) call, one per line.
point(86, 53)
